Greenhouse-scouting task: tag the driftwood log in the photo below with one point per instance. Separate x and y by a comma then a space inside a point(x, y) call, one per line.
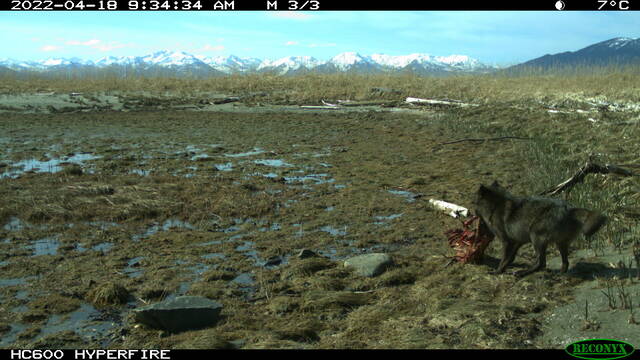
point(589, 167)
point(486, 139)
point(225, 100)
point(448, 102)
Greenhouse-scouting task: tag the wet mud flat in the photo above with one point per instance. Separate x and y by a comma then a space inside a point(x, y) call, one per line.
point(165, 203)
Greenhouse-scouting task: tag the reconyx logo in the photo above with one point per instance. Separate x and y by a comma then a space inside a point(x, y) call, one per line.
point(599, 349)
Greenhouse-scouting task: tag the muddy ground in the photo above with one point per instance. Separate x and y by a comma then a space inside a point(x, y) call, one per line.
point(166, 195)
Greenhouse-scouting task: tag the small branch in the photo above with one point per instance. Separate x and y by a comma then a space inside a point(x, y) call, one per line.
point(486, 139)
point(588, 168)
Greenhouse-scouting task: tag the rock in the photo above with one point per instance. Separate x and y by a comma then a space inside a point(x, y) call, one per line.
point(369, 265)
point(306, 253)
point(273, 261)
point(180, 314)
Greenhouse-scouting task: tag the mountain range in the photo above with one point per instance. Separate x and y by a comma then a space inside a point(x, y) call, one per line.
point(182, 63)
point(616, 51)
point(179, 63)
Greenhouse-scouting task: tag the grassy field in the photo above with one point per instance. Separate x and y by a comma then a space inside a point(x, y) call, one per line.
point(615, 82)
point(161, 193)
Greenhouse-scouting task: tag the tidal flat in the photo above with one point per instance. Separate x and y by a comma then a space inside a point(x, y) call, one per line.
point(155, 198)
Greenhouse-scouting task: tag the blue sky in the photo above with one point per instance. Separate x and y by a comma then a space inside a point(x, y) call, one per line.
point(500, 37)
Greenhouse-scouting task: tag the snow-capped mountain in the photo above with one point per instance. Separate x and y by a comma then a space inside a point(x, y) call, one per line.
point(183, 63)
point(231, 64)
point(44, 64)
point(167, 58)
point(617, 51)
point(289, 65)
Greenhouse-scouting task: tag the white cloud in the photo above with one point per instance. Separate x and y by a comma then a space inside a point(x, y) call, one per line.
point(290, 43)
point(92, 42)
point(98, 44)
point(50, 48)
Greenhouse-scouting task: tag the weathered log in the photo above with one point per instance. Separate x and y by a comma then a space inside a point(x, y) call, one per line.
point(486, 139)
point(319, 107)
point(451, 209)
point(226, 100)
point(418, 101)
point(588, 168)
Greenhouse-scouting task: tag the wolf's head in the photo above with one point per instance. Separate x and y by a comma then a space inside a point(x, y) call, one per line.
point(488, 199)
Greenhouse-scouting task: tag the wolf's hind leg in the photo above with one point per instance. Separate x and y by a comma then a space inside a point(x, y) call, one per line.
point(563, 246)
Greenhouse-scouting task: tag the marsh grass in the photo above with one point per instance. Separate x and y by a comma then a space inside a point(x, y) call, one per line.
point(525, 86)
point(316, 302)
point(108, 294)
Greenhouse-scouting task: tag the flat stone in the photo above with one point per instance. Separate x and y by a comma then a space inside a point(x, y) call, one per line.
point(180, 314)
point(306, 253)
point(369, 265)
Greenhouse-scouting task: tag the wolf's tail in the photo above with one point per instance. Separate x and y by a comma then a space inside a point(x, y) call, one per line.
point(591, 220)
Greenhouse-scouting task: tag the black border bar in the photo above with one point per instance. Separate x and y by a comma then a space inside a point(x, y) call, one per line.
point(318, 5)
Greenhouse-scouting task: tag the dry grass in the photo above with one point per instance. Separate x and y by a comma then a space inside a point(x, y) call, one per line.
point(615, 82)
point(108, 294)
point(316, 302)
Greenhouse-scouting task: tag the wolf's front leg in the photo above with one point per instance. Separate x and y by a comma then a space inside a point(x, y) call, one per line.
point(509, 251)
point(540, 245)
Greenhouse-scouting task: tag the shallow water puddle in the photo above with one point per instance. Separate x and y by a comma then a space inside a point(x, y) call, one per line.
point(210, 256)
point(212, 242)
point(22, 295)
point(255, 151)
point(316, 178)
point(14, 224)
point(246, 284)
point(272, 162)
point(333, 231)
point(247, 249)
point(14, 281)
point(244, 279)
point(45, 246)
point(12, 335)
point(102, 247)
point(382, 220)
point(200, 157)
point(224, 167)
point(140, 172)
point(133, 269)
point(267, 175)
point(410, 197)
point(86, 321)
point(166, 226)
point(47, 166)
point(273, 227)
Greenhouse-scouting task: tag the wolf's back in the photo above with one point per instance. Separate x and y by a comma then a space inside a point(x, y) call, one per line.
point(591, 220)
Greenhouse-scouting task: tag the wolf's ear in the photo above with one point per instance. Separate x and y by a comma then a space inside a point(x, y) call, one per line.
point(484, 190)
point(488, 192)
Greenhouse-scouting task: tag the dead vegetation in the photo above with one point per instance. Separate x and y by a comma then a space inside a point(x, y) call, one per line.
point(210, 232)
